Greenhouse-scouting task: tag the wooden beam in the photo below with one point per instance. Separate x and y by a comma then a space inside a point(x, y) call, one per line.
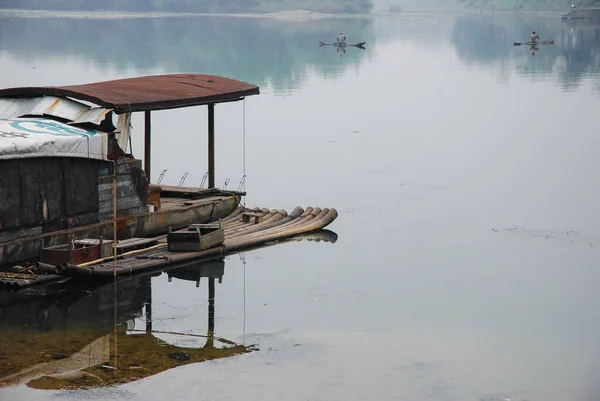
point(211, 145)
point(147, 141)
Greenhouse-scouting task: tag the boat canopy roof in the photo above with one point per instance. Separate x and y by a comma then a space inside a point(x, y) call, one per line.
point(43, 137)
point(156, 92)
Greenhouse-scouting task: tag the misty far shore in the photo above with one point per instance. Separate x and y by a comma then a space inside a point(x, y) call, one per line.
point(291, 15)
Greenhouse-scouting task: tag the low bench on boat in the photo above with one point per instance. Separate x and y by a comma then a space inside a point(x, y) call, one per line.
point(258, 217)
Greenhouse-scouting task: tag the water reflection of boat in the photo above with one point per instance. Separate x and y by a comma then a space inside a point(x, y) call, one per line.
point(57, 327)
point(61, 331)
point(214, 269)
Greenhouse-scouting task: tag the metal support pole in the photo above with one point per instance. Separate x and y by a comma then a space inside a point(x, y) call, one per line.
point(147, 140)
point(211, 145)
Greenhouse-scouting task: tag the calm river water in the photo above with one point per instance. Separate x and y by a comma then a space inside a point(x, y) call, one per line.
point(464, 170)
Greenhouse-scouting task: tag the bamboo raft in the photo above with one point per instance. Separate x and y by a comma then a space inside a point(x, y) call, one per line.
point(360, 44)
point(244, 229)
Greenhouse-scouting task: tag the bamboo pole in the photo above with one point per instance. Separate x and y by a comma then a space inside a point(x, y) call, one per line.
point(130, 253)
point(115, 218)
point(115, 299)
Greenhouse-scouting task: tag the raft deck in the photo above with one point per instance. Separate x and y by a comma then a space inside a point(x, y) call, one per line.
point(244, 229)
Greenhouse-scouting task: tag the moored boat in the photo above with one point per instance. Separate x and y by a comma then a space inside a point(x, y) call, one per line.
point(65, 175)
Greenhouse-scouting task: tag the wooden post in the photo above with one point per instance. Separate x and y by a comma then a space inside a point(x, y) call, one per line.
point(147, 141)
point(211, 145)
point(114, 239)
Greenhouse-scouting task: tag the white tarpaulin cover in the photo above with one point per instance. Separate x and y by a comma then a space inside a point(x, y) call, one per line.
point(123, 127)
point(42, 137)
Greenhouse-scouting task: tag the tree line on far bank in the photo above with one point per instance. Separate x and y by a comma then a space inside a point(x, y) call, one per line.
point(195, 6)
point(527, 4)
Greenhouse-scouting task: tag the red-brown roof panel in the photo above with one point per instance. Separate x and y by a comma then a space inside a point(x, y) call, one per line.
point(156, 92)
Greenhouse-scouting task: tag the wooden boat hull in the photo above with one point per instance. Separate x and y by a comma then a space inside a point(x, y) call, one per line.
point(196, 238)
point(29, 244)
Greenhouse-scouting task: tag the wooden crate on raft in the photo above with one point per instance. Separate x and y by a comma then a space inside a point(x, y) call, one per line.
point(196, 237)
point(59, 254)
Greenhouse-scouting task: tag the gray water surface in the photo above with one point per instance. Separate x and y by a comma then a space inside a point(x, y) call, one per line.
point(464, 172)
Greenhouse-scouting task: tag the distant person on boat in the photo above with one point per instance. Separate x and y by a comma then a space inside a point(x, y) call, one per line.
point(572, 6)
point(341, 40)
point(534, 37)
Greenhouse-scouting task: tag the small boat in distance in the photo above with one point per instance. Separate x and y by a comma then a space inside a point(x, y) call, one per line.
point(359, 45)
point(530, 43)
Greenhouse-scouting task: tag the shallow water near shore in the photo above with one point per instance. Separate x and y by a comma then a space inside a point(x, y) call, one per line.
point(462, 168)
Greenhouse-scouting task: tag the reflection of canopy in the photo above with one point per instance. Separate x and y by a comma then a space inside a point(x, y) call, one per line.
point(136, 353)
point(139, 355)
